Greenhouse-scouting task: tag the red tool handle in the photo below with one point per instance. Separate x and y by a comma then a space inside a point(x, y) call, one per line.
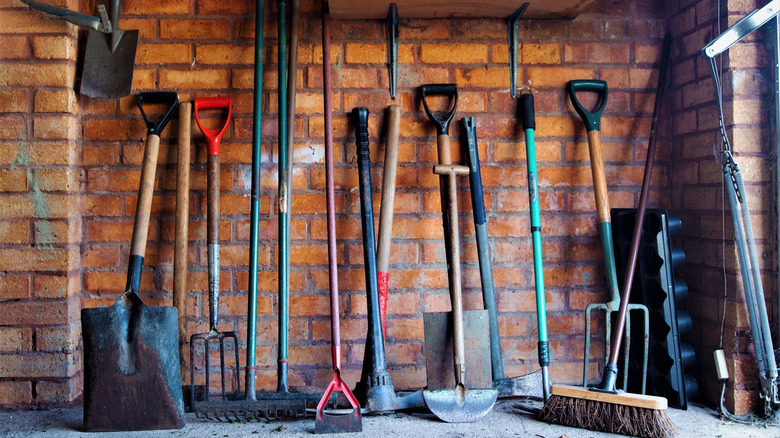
point(214, 136)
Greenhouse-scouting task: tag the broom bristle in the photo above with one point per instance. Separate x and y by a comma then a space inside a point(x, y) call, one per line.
point(607, 417)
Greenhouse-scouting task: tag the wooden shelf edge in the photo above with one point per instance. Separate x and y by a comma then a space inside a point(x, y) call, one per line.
point(377, 9)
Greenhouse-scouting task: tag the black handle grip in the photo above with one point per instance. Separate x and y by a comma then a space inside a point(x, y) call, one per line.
point(592, 120)
point(441, 121)
point(527, 117)
point(360, 115)
point(170, 98)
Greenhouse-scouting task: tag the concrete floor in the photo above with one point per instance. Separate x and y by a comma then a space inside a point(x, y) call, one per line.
point(504, 420)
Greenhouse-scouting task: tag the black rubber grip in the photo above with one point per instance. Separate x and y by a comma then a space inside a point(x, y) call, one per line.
point(360, 115)
point(527, 117)
point(169, 98)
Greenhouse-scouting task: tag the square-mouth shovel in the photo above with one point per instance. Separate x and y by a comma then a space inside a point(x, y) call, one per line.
point(132, 379)
point(109, 58)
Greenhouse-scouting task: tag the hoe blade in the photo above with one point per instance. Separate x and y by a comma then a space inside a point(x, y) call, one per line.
point(330, 422)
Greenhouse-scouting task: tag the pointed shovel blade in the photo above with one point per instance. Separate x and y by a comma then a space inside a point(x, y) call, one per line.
point(460, 405)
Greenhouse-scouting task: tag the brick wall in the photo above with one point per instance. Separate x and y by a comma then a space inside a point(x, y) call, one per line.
point(40, 219)
point(698, 193)
point(205, 49)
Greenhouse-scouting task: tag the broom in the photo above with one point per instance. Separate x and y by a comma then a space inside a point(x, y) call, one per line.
point(603, 408)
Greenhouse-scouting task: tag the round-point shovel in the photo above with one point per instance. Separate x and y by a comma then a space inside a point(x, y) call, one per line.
point(132, 379)
point(459, 405)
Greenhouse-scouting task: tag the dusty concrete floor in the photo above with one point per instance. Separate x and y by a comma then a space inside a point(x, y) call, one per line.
point(504, 420)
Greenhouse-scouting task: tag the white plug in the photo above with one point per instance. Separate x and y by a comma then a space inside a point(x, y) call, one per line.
point(720, 365)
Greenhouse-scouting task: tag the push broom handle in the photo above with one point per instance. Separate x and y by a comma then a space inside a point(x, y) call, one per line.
point(640, 213)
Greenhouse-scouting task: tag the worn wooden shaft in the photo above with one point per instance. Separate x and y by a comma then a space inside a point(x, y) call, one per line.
point(182, 222)
point(145, 194)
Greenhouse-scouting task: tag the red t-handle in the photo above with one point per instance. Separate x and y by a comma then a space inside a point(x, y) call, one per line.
point(214, 136)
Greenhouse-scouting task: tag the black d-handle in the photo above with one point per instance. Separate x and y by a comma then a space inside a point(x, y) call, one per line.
point(592, 120)
point(171, 98)
point(441, 121)
point(360, 115)
point(527, 117)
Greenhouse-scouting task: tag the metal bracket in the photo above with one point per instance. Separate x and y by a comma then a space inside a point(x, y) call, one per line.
point(392, 47)
point(741, 29)
point(513, 31)
point(106, 23)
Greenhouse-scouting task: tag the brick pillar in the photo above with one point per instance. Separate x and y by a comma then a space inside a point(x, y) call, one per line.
point(40, 223)
point(697, 188)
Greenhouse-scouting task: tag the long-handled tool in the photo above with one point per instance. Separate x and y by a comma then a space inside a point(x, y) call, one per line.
point(375, 389)
point(132, 379)
point(766, 360)
point(109, 58)
point(459, 405)
point(529, 125)
point(329, 422)
point(604, 408)
point(386, 211)
point(529, 384)
point(592, 122)
point(214, 137)
point(182, 222)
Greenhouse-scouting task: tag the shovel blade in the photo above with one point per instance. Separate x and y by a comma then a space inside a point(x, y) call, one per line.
point(348, 422)
point(132, 379)
point(439, 364)
point(524, 386)
point(460, 405)
point(107, 73)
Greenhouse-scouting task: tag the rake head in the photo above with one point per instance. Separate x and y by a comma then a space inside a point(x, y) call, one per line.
point(207, 339)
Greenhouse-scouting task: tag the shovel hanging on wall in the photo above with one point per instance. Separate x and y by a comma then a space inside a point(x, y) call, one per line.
point(109, 58)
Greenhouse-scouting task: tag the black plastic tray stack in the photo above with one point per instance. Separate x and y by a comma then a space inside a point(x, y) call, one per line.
point(656, 286)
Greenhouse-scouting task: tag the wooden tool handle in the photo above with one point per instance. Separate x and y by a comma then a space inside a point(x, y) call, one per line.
point(450, 203)
point(182, 215)
point(388, 190)
point(145, 193)
point(599, 177)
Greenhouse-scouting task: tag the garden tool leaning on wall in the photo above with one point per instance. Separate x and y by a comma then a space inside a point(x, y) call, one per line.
point(743, 228)
point(592, 122)
point(208, 407)
point(109, 58)
point(458, 405)
point(132, 379)
point(327, 421)
point(375, 389)
point(531, 384)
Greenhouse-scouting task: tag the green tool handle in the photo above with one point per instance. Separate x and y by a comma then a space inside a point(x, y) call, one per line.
point(254, 214)
point(284, 214)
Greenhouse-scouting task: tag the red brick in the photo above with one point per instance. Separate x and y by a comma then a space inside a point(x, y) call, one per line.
point(13, 101)
point(224, 54)
point(556, 76)
point(163, 7)
point(194, 29)
point(15, 392)
point(208, 79)
point(38, 75)
point(163, 53)
point(54, 47)
point(454, 53)
point(13, 47)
